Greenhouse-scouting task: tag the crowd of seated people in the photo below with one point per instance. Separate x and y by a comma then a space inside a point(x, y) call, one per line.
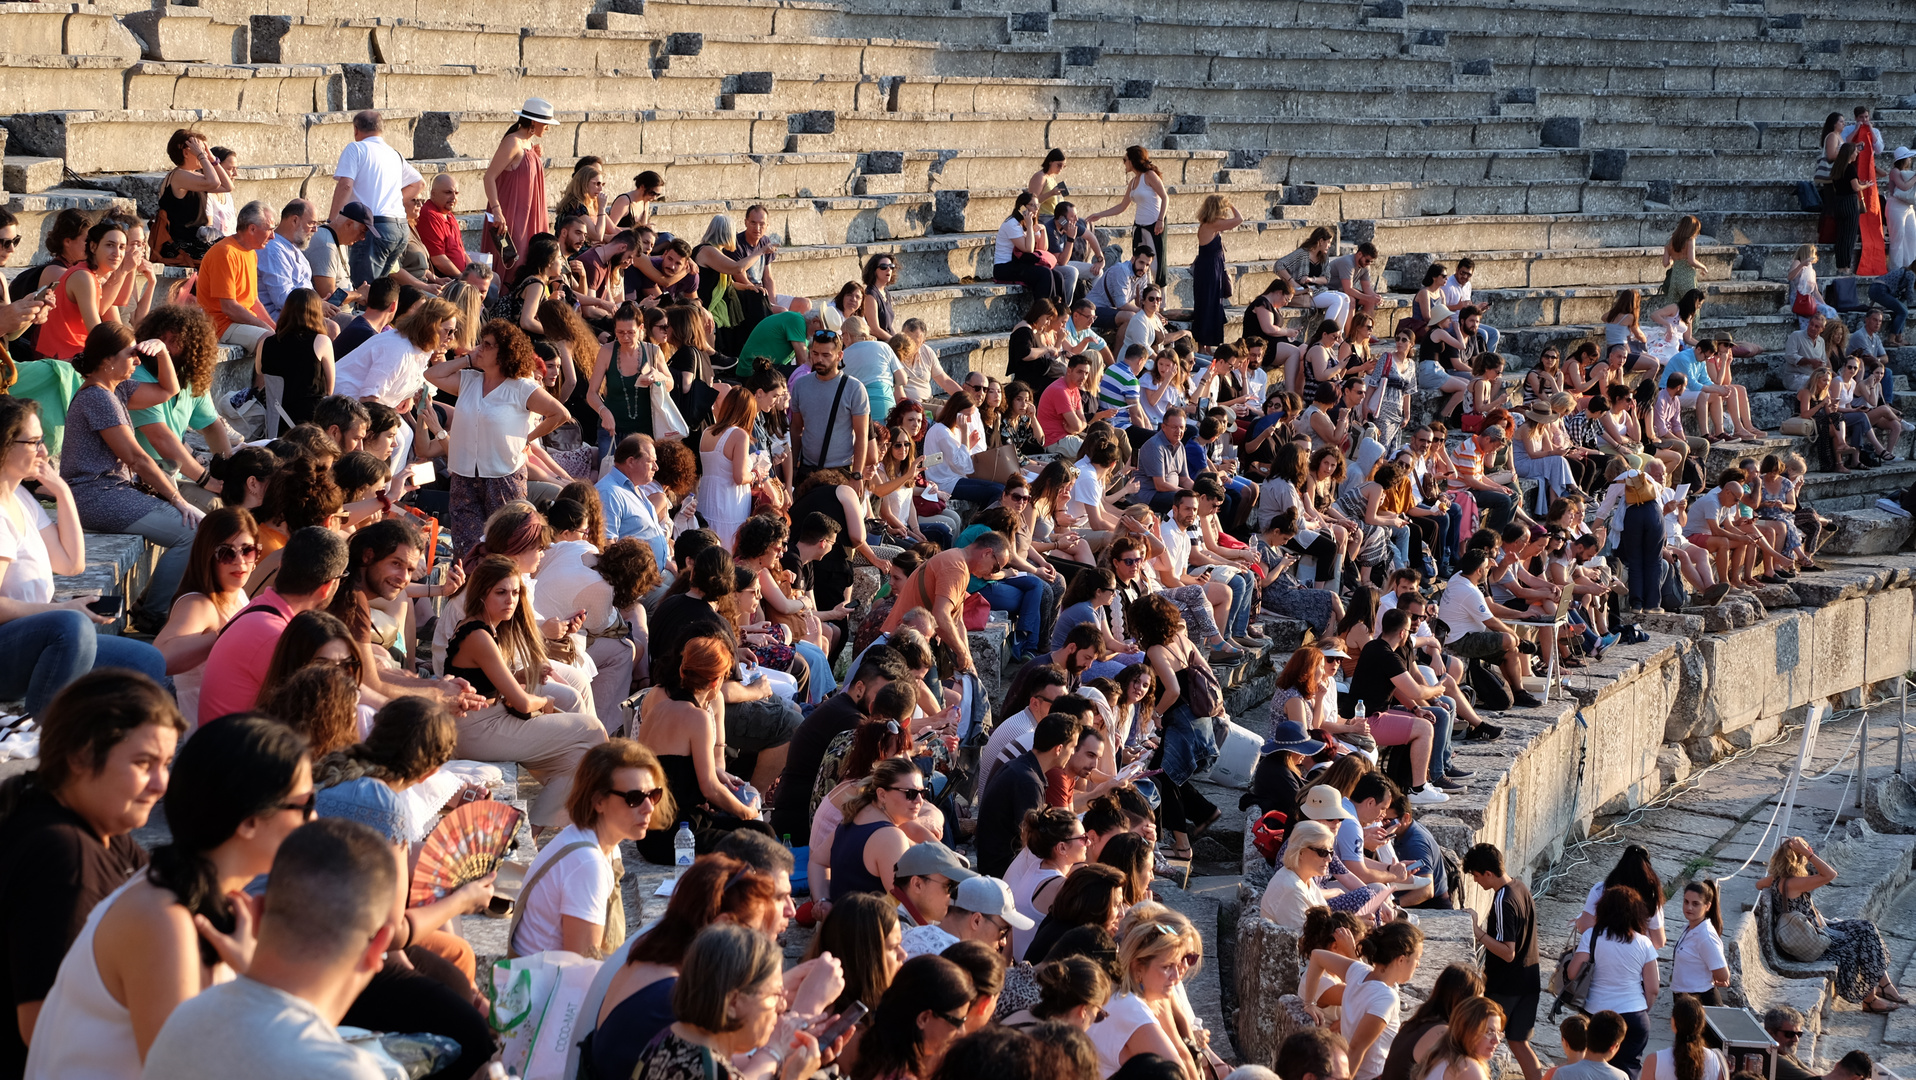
point(603, 503)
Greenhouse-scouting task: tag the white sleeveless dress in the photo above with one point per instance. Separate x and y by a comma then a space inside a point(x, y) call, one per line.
point(723, 504)
point(82, 1033)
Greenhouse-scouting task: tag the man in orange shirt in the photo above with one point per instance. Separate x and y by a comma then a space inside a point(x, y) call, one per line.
point(943, 580)
point(228, 287)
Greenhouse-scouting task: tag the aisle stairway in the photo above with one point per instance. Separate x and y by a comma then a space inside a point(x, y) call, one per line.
point(1555, 143)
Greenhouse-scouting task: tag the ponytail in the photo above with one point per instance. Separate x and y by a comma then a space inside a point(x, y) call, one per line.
point(239, 766)
point(1686, 1016)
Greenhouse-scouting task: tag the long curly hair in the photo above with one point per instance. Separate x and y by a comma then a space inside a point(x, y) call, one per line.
point(588, 496)
point(189, 336)
point(627, 565)
point(678, 471)
point(321, 703)
point(516, 358)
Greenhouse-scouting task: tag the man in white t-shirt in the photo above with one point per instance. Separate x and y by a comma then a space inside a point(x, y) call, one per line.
point(1093, 512)
point(334, 901)
point(371, 172)
point(1711, 526)
point(1456, 290)
point(1476, 633)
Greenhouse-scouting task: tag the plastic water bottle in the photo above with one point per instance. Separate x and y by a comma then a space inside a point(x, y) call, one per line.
point(1359, 718)
point(684, 850)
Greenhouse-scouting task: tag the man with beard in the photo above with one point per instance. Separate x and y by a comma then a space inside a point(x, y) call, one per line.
point(282, 262)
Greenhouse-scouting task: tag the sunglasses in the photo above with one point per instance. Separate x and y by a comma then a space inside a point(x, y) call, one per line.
point(9, 243)
point(825, 335)
point(911, 794)
point(1131, 560)
point(638, 797)
point(307, 808)
point(1321, 852)
point(884, 266)
point(227, 553)
point(957, 1022)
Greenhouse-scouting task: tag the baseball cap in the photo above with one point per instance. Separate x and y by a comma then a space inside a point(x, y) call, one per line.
point(932, 857)
point(991, 896)
point(1323, 803)
point(357, 211)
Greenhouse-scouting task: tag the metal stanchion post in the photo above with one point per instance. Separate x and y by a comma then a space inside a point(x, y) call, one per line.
point(1862, 759)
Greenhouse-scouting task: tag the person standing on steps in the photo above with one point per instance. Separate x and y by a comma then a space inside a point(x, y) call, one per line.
point(373, 173)
point(1512, 972)
point(1210, 278)
point(1144, 190)
point(516, 186)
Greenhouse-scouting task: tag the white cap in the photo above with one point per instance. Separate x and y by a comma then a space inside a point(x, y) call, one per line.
point(991, 896)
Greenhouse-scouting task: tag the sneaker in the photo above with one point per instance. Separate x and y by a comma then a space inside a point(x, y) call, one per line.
point(1445, 783)
point(1484, 732)
point(1525, 700)
point(1427, 796)
point(1454, 773)
point(1606, 641)
point(1715, 593)
point(1908, 426)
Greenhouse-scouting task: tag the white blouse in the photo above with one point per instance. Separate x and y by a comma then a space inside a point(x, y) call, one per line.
point(957, 463)
point(489, 430)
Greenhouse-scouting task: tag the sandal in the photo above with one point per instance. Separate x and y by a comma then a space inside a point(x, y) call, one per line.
point(1888, 1006)
point(1177, 854)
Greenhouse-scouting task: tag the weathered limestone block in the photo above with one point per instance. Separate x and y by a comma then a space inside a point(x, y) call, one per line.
point(1268, 968)
point(1890, 623)
point(1673, 765)
point(1869, 532)
point(1676, 625)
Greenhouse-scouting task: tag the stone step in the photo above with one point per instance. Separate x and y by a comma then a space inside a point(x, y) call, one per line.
point(119, 141)
point(32, 175)
point(712, 53)
point(48, 30)
point(1515, 231)
point(298, 89)
point(1484, 196)
point(55, 81)
point(558, 13)
point(1510, 164)
point(1110, 61)
point(799, 18)
point(35, 213)
point(860, 131)
point(1552, 268)
point(1308, 133)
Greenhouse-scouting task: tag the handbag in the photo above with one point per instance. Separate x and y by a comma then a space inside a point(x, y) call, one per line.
point(1799, 425)
point(1573, 993)
point(667, 421)
point(1472, 423)
point(1804, 304)
point(977, 611)
point(996, 465)
point(1798, 937)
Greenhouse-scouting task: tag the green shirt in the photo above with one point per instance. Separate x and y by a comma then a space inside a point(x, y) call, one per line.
point(52, 383)
point(179, 412)
point(772, 339)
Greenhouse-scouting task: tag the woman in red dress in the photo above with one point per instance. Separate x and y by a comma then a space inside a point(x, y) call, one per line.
point(516, 186)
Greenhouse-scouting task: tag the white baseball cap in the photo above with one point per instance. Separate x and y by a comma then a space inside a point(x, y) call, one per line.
point(991, 896)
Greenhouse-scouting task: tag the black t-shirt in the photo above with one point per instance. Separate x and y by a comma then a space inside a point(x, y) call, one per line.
point(1513, 919)
point(58, 872)
point(791, 811)
point(1377, 665)
point(678, 620)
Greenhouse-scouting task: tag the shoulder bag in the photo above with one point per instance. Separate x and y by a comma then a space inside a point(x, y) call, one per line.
point(1573, 993)
point(1198, 687)
point(1798, 936)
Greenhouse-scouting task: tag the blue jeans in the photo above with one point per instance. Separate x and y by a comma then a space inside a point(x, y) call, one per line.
point(1898, 311)
point(378, 254)
point(1445, 712)
point(1022, 596)
point(822, 683)
point(1161, 500)
point(1491, 336)
point(1241, 596)
point(980, 493)
point(1400, 546)
point(1109, 669)
point(163, 526)
point(1636, 1037)
point(47, 651)
point(936, 531)
point(1497, 509)
point(1453, 540)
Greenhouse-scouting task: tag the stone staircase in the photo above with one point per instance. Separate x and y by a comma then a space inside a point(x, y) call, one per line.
point(1553, 143)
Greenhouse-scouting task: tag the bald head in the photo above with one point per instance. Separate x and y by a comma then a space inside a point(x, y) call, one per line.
point(445, 191)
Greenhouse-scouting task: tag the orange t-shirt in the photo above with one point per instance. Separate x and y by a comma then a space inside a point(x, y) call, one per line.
point(944, 577)
point(228, 272)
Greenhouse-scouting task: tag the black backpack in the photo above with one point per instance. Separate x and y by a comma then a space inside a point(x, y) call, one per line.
point(1487, 687)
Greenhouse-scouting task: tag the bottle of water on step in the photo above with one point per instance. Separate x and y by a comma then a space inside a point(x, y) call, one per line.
point(683, 850)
